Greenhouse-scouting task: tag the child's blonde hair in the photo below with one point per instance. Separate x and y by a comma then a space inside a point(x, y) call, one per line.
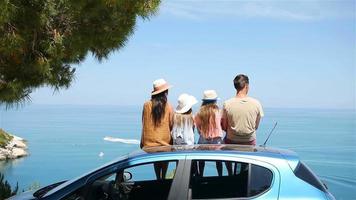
point(207, 116)
point(180, 119)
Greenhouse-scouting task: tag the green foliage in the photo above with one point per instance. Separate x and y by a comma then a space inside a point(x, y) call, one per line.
point(4, 138)
point(5, 189)
point(40, 39)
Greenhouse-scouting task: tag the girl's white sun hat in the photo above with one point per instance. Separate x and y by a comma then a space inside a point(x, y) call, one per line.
point(185, 103)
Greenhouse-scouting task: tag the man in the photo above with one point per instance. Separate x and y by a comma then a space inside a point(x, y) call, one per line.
point(241, 118)
point(241, 115)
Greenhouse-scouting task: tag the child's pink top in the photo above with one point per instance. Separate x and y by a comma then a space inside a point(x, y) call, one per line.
point(212, 132)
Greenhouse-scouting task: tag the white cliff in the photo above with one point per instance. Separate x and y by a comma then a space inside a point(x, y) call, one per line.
point(16, 148)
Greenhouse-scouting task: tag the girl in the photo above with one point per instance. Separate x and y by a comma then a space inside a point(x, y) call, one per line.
point(157, 118)
point(183, 123)
point(208, 123)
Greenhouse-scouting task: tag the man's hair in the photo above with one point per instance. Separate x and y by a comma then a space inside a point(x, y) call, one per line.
point(240, 82)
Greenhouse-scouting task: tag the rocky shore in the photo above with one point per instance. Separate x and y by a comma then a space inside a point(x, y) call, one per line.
point(15, 147)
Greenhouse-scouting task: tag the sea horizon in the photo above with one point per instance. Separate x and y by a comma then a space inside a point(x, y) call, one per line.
point(74, 136)
point(220, 102)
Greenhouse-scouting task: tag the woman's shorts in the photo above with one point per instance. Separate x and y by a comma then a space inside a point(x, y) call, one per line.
point(217, 140)
point(179, 141)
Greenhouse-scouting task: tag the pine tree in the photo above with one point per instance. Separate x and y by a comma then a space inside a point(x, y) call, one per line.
point(40, 40)
point(5, 188)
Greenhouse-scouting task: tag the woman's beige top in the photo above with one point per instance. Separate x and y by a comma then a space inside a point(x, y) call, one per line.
point(156, 135)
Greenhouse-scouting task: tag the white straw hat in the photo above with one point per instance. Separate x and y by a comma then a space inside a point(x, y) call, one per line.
point(185, 103)
point(160, 85)
point(210, 95)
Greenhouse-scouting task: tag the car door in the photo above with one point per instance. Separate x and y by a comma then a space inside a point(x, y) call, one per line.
point(246, 179)
point(132, 179)
point(143, 180)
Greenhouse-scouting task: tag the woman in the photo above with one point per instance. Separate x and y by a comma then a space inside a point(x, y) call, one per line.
point(157, 116)
point(208, 123)
point(183, 122)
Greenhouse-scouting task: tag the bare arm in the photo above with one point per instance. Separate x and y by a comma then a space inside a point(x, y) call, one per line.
point(224, 121)
point(141, 143)
point(260, 114)
point(171, 116)
point(197, 123)
point(193, 123)
point(258, 119)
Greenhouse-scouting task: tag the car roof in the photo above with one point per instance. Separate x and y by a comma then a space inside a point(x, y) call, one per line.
point(227, 149)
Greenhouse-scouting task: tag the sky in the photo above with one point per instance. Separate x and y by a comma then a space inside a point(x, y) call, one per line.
point(297, 54)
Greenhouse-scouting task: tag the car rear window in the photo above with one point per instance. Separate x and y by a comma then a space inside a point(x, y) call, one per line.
point(260, 180)
point(303, 172)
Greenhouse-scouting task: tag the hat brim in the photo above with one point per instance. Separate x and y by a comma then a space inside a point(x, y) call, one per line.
point(185, 108)
point(161, 90)
point(214, 99)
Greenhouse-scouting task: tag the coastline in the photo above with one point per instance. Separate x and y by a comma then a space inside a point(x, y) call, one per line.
point(13, 146)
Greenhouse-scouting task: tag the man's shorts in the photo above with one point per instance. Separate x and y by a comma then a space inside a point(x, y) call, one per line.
point(228, 141)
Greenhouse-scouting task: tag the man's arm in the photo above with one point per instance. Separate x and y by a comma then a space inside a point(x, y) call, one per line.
point(258, 119)
point(224, 120)
point(260, 114)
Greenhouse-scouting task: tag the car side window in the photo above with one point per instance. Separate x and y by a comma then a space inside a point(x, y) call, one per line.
point(210, 179)
point(147, 172)
point(260, 180)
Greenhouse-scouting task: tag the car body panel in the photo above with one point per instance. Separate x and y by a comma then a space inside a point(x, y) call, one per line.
point(295, 188)
point(25, 195)
point(285, 185)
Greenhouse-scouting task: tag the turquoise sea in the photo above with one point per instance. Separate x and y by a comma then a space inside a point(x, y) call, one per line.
point(65, 141)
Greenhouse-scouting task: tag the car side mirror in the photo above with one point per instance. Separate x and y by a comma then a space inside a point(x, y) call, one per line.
point(325, 185)
point(127, 176)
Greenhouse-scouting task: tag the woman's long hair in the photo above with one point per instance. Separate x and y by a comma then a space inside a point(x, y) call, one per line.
point(207, 116)
point(185, 118)
point(159, 102)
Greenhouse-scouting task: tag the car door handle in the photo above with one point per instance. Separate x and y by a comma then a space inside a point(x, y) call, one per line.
point(129, 183)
